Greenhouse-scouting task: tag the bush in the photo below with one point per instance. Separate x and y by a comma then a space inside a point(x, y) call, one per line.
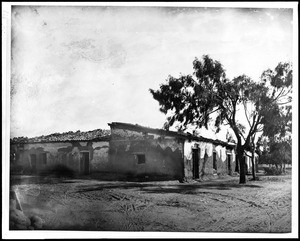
point(273, 171)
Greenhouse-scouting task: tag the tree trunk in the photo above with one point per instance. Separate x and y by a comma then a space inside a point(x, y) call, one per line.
point(237, 165)
point(240, 159)
point(253, 165)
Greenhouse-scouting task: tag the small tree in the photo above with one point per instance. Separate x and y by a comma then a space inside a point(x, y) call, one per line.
point(208, 95)
point(278, 154)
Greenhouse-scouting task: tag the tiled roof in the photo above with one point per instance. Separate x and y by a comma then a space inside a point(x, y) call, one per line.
point(100, 134)
point(97, 134)
point(182, 135)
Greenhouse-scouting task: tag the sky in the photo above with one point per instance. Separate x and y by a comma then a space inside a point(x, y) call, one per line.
point(79, 68)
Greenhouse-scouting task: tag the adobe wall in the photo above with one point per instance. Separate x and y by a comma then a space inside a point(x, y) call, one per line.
point(67, 153)
point(163, 154)
point(206, 152)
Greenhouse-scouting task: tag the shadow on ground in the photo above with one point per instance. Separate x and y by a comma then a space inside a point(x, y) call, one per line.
point(83, 185)
point(171, 188)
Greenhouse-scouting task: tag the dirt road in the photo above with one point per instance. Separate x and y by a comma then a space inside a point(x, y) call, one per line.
point(220, 205)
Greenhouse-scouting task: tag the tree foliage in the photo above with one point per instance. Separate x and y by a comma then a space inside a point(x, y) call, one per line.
point(278, 117)
point(207, 95)
point(278, 153)
point(276, 141)
point(192, 101)
point(277, 122)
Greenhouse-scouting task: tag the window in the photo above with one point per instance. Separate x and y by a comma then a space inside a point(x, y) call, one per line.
point(141, 158)
point(215, 161)
point(44, 158)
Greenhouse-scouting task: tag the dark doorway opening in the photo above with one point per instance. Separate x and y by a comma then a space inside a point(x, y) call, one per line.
point(44, 158)
point(195, 163)
point(141, 158)
point(85, 163)
point(215, 161)
point(33, 161)
point(229, 164)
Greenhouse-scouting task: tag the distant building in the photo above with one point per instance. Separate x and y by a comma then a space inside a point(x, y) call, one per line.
point(129, 150)
point(84, 152)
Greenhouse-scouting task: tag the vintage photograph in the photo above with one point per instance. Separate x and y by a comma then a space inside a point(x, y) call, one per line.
point(157, 118)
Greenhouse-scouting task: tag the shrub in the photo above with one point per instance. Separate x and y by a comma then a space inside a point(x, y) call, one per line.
point(272, 171)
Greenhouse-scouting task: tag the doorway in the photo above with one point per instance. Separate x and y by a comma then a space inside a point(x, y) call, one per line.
point(215, 161)
point(229, 164)
point(33, 161)
point(85, 163)
point(195, 163)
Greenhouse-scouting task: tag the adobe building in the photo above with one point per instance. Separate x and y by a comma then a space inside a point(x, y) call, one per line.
point(207, 157)
point(140, 151)
point(129, 150)
point(143, 151)
point(83, 152)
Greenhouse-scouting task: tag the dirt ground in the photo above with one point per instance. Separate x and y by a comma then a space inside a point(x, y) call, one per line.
point(219, 205)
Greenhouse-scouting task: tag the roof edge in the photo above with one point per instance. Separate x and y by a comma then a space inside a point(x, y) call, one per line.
point(102, 138)
point(188, 136)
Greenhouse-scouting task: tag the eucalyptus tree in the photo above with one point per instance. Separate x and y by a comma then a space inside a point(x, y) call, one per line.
point(208, 96)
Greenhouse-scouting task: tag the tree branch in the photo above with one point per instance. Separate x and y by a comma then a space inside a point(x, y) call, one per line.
point(242, 136)
point(281, 95)
point(252, 129)
point(245, 109)
point(213, 111)
point(283, 103)
point(278, 94)
point(247, 155)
